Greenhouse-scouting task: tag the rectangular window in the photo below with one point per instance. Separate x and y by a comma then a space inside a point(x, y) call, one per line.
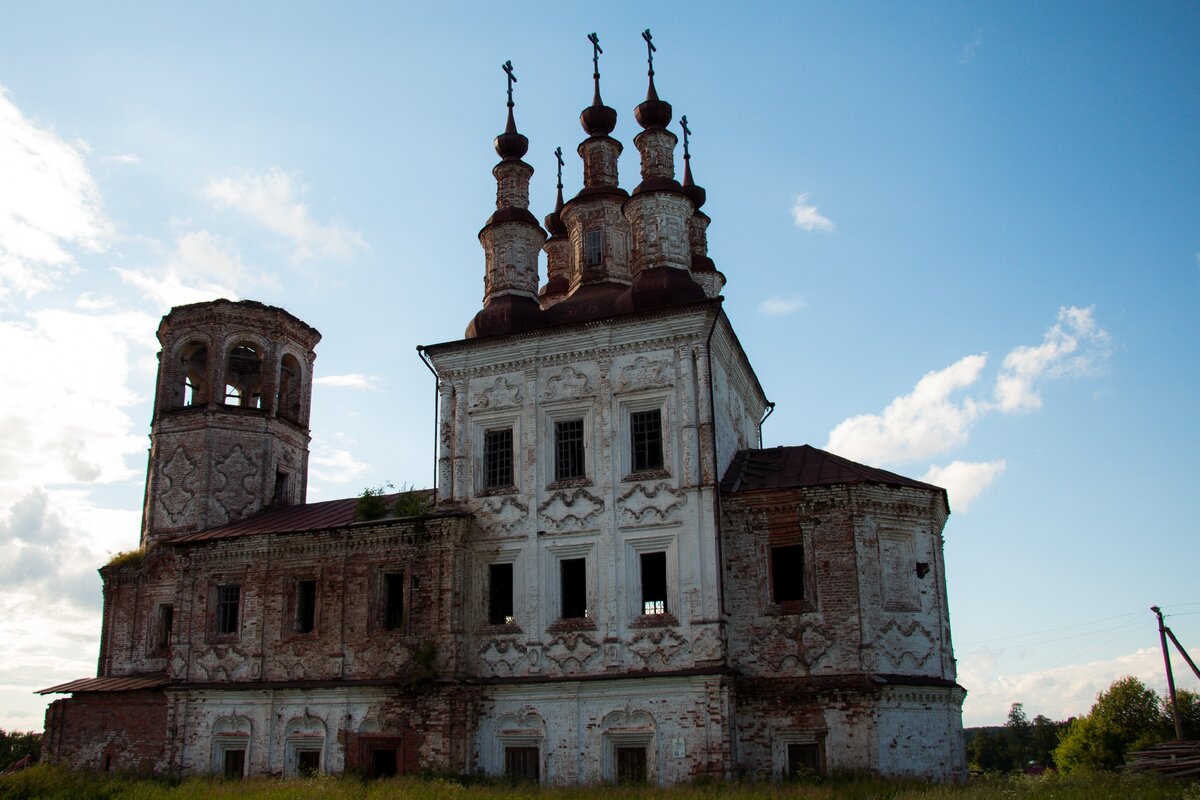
point(568, 450)
point(654, 583)
point(281, 482)
point(631, 764)
point(803, 759)
point(306, 606)
point(497, 458)
point(521, 764)
point(646, 433)
point(163, 627)
point(573, 576)
point(228, 602)
point(383, 762)
point(308, 763)
point(393, 601)
point(235, 763)
point(500, 594)
point(787, 573)
point(593, 248)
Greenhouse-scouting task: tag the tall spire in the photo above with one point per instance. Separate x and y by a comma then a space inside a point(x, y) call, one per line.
point(704, 271)
point(597, 119)
point(557, 248)
point(653, 113)
point(511, 145)
point(696, 193)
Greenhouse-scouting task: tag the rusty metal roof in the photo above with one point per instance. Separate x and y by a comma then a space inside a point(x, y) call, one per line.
point(120, 683)
point(805, 465)
point(289, 519)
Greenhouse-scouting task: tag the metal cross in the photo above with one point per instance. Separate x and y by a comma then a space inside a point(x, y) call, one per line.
point(596, 51)
point(558, 156)
point(686, 132)
point(650, 49)
point(508, 70)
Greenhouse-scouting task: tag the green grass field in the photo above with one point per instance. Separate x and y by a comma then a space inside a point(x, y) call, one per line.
point(49, 782)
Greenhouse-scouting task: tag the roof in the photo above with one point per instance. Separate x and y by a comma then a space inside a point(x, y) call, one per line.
point(121, 683)
point(805, 465)
point(321, 516)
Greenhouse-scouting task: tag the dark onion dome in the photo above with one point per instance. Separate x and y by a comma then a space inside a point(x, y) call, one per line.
point(598, 119)
point(511, 145)
point(694, 193)
point(554, 223)
point(653, 113)
point(659, 288)
point(590, 301)
point(506, 313)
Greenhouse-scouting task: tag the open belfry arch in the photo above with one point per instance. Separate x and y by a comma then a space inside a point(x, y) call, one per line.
point(612, 581)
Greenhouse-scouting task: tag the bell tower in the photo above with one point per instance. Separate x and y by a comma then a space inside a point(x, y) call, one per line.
point(229, 435)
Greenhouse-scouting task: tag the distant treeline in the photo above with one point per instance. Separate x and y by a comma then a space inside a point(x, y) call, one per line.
point(15, 745)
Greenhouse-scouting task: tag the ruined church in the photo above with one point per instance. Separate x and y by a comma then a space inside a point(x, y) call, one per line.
point(612, 580)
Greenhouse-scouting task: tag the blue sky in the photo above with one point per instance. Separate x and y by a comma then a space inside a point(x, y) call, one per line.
point(961, 240)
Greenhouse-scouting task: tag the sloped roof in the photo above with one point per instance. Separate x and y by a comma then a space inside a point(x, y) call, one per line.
point(321, 516)
point(805, 465)
point(119, 683)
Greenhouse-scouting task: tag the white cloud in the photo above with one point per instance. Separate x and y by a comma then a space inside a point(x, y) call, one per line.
point(336, 465)
point(123, 158)
point(969, 50)
point(965, 480)
point(926, 422)
point(1075, 345)
point(49, 204)
point(273, 200)
point(353, 380)
point(807, 217)
point(781, 305)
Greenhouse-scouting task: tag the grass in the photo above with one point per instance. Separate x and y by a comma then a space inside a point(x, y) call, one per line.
point(55, 783)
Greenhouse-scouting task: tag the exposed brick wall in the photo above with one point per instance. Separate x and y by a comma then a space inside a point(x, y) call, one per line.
point(121, 732)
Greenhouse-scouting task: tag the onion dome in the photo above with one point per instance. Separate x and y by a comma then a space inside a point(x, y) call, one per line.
point(511, 145)
point(695, 193)
point(653, 113)
point(597, 119)
point(554, 223)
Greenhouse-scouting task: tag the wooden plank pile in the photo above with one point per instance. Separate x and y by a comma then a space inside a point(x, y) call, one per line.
point(1176, 759)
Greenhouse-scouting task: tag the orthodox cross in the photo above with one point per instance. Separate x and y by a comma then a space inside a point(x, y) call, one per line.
point(596, 51)
point(558, 156)
point(650, 49)
point(686, 132)
point(508, 70)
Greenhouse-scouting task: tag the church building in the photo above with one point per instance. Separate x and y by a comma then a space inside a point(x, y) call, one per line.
point(612, 580)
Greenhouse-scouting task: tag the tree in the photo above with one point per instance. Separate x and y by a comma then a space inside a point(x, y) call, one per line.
point(14, 746)
point(1018, 736)
point(1043, 739)
point(1126, 717)
point(1189, 713)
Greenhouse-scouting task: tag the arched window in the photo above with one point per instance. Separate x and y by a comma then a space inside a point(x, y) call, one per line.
point(193, 366)
point(243, 377)
point(289, 388)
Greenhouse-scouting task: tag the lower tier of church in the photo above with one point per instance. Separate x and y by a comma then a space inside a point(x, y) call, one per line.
point(661, 730)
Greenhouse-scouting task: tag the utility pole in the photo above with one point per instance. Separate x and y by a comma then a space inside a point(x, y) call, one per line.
point(1162, 636)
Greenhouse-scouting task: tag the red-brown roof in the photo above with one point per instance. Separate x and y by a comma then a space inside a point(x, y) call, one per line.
point(798, 467)
point(121, 683)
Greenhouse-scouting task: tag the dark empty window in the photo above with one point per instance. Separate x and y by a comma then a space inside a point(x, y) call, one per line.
point(568, 450)
point(521, 764)
point(631, 764)
point(281, 493)
point(654, 583)
point(573, 573)
point(162, 630)
point(308, 762)
point(803, 759)
point(228, 600)
point(500, 594)
point(306, 606)
point(787, 573)
point(383, 762)
point(593, 248)
point(235, 763)
point(393, 601)
point(646, 429)
point(498, 458)
point(243, 376)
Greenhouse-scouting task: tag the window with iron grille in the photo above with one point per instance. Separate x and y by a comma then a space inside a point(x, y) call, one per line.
point(568, 450)
point(521, 764)
point(646, 434)
point(654, 583)
point(593, 247)
point(228, 600)
point(803, 759)
point(500, 594)
point(631, 764)
point(497, 458)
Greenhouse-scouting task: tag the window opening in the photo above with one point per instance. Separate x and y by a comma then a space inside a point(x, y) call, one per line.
point(646, 428)
point(288, 405)
point(308, 762)
point(281, 482)
point(243, 377)
point(235, 763)
point(573, 573)
point(194, 362)
point(654, 583)
point(383, 762)
point(393, 611)
point(306, 606)
point(803, 758)
point(108, 762)
point(522, 764)
point(228, 600)
point(500, 594)
point(593, 247)
point(568, 450)
point(162, 633)
point(498, 458)
point(631, 764)
point(787, 573)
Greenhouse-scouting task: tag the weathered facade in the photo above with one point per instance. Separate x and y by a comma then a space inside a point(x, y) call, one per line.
point(610, 582)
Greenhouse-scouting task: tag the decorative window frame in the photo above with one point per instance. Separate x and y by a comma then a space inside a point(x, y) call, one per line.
point(529, 731)
point(231, 733)
point(212, 635)
point(634, 548)
point(305, 733)
point(480, 424)
point(898, 589)
point(660, 401)
point(638, 730)
point(555, 554)
point(779, 749)
point(377, 608)
point(549, 450)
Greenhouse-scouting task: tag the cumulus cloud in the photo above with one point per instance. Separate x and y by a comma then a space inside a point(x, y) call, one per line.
point(49, 204)
point(336, 465)
point(807, 217)
point(781, 305)
point(1075, 345)
point(203, 266)
point(273, 199)
point(964, 481)
point(353, 380)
